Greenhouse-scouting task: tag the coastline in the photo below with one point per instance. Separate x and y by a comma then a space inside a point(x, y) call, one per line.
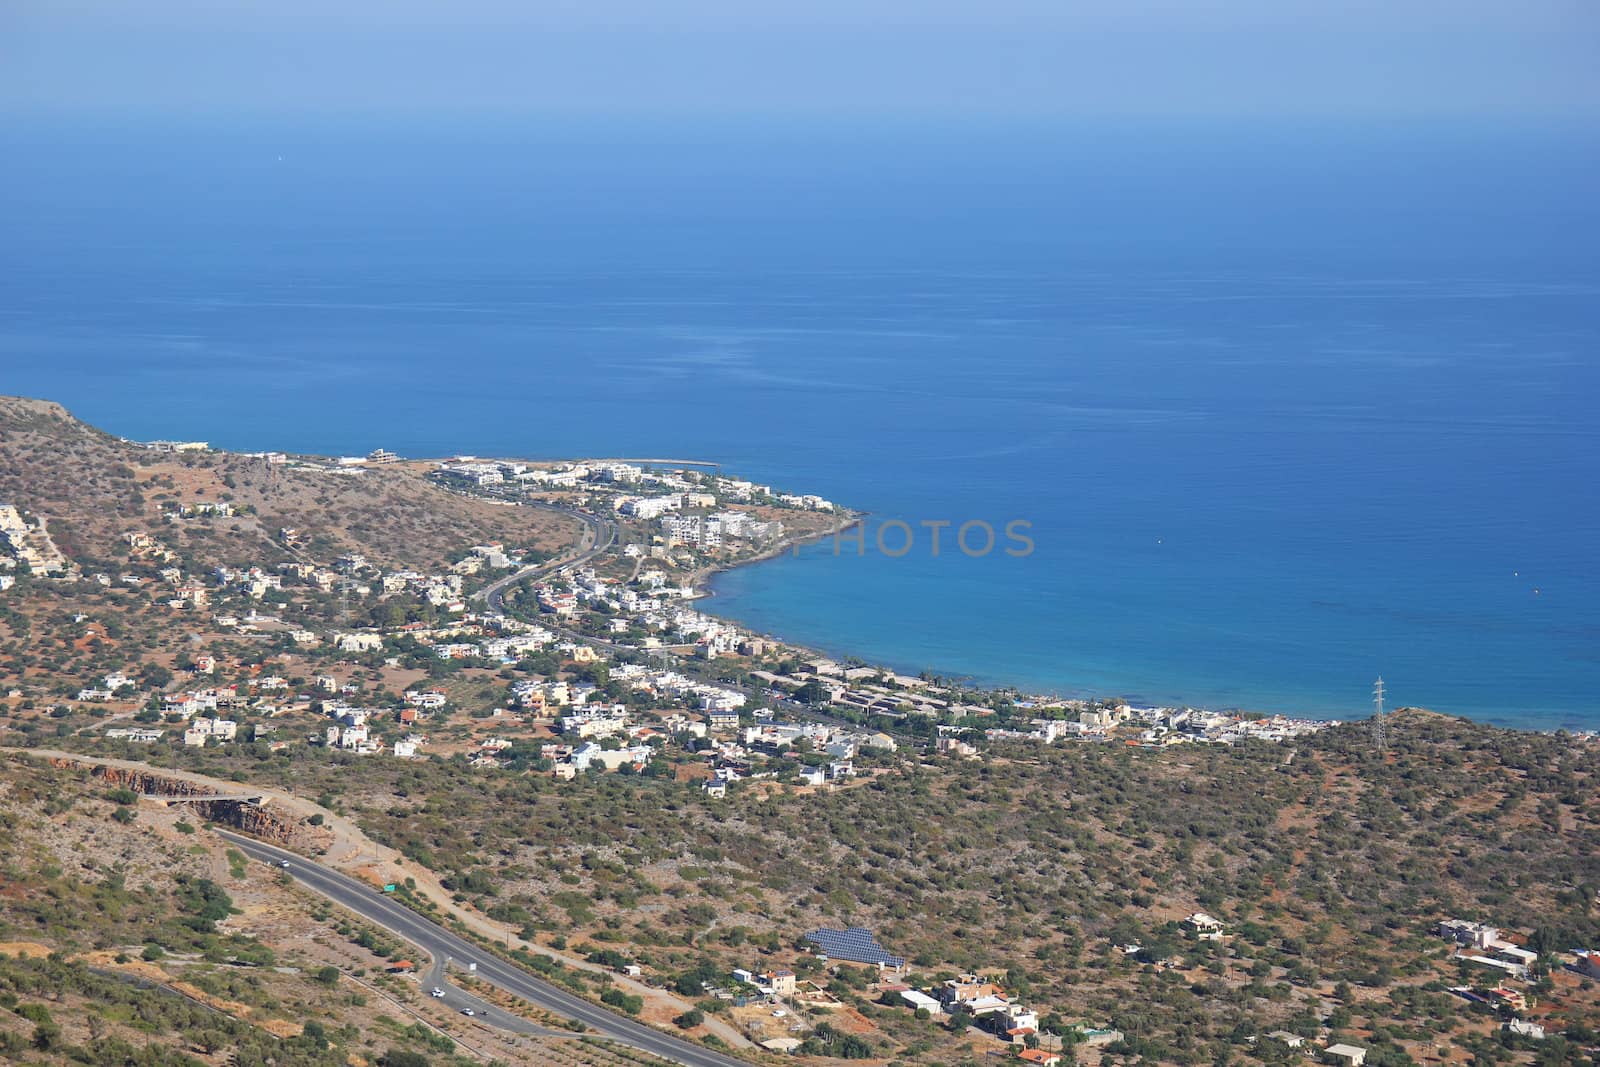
point(995, 679)
point(703, 594)
point(699, 580)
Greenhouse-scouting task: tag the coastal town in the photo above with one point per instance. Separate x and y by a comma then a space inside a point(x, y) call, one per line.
point(611, 665)
point(594, 660)
point(866, 534)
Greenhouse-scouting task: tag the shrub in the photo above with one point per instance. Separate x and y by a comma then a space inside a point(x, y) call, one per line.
point(618, 999)
point(402, 1058)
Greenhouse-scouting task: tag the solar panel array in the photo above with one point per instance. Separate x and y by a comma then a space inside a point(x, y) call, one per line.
point(855, 944)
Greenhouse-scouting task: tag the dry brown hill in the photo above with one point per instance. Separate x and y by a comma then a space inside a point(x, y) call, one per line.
point(94, 487)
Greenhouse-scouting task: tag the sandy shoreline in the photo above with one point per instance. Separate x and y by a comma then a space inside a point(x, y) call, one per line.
point(698, 580)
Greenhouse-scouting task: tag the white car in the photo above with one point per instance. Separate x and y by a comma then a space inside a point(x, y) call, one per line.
point(435, 992)
point(468, 1011)
point(284, 864)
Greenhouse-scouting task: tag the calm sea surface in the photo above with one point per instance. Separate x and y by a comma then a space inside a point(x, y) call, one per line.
point(1283, 409)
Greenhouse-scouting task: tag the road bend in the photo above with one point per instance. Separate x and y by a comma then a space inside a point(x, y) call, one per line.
point(443, 945)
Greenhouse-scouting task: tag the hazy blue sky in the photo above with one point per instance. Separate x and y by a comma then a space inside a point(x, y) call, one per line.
point(1521, 58)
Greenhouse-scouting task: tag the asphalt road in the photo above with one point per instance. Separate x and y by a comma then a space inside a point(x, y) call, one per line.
point(441, 945)
point(602, 535)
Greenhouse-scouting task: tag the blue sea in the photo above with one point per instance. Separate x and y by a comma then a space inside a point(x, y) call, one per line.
point(1283, 407)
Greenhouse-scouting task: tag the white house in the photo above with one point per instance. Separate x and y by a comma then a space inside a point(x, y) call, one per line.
point(358, 642)
point(221, 729)
point(648, 507)
point(1348, 1055)
point(590, 754)
point(713, 699)
point(918, 999)
point(348, 738)
point(1472, 934)
point(135, 734)
point(722, 720)
point(1019, 1019)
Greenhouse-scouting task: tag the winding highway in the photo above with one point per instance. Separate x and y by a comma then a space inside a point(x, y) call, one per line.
point(442, 945)
point(599, 535)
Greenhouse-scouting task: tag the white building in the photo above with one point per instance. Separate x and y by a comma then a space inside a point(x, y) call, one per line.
point(135, 734)
point(358, 642)
point(595, 723)
point(648, 507)
point(715, 699)
point(918, 1000)
point(1471, 934)
point(221, 729)
point(1349, 1055)
point(479, 475)
point(590, 754)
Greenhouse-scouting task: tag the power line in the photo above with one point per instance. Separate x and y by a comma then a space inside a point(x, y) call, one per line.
point(1380, 725)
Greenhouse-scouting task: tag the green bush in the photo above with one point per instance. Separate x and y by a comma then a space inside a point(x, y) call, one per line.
point(633, 1005)
point(402, 1058)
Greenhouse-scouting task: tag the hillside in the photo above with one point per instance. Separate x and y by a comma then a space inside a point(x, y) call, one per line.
point(597, 770)
point(168, 550)
point(94, 488)
point(131, 934)
point(1328, 865)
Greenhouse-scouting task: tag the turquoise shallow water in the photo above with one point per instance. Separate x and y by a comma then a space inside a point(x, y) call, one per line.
point(1284, 410)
